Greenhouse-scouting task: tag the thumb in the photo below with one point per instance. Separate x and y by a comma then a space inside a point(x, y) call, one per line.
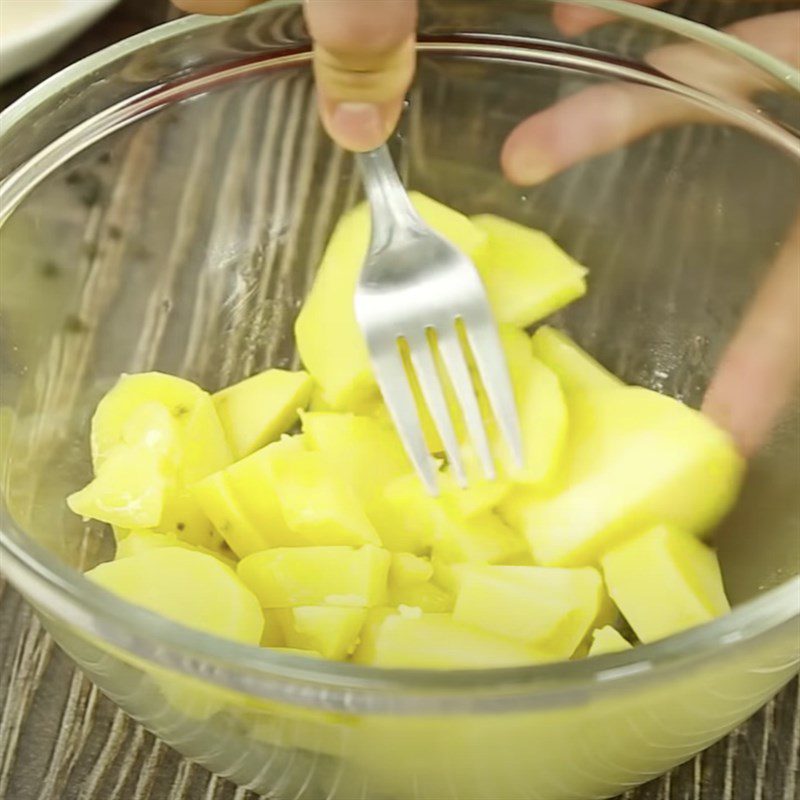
point(363, 62)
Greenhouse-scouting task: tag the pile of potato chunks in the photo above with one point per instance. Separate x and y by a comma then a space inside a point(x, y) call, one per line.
point(319, 539)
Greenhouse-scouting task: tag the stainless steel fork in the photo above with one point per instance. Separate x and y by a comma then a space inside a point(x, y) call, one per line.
point(418, 288)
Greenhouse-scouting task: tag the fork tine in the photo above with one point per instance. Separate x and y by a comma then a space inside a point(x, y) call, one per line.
point(487, 349)
point(390, 373)
point(456, 363)
point(431, 385)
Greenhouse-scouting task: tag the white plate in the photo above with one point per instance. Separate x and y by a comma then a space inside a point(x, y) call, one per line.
point(33, 30)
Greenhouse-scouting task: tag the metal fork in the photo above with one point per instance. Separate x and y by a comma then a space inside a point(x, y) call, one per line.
point(418, 288)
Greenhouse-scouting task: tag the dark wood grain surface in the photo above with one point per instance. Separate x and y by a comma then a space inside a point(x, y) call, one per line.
point(60, 739)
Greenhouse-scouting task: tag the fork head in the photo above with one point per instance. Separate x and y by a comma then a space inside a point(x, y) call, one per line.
point(417, 288)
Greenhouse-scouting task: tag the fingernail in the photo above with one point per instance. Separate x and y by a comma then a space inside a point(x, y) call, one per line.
point(527, 167)
point(357, 126)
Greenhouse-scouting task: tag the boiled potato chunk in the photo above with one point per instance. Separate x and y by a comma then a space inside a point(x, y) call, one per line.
point(608, 640)
point(330, 631)
point(423, 522)
point(683, 471)
point(177, 422)
point(664, 581)
point(544, 606)
point(575, 368)
point(426, 596)
point(526, 274)
point(151, 425)
point(284, 577)
point(316, 503)
point(447, 574)
point(407, 569)
point(129, 489)
point(127, 414)
point(243, 504)
point(410, 514)
point(257, 410)
point(480, 540)
point(183, 515)
point(204, 446)
point(368, 453)
point(215, 496)
point(542, 408)
point(480, 495)
point(189, 587)
point(365, 652)
point(251, 485)
point(364, 453)
point(140, 540)
point(328, 338)
point(437, 641)
point(131, 392)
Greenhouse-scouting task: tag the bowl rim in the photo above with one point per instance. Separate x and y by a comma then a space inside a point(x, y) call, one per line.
point(66, 594)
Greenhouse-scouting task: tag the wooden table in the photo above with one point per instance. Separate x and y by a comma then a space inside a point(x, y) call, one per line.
point(60, 739)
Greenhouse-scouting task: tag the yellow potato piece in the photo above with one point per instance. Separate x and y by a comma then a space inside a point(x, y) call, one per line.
point(257, 410)
point(128, 491)
point(204, 446)
point(328, 338)
point(447, 574)
point(426, 596)
point(242, 503)
point(318, 401)
point(436, 641)
point(526, 274)
point(542, 409)
point(364, 453)
point(130, 393)
point(151, 425)
point(421, 522)
point(544, 606)
point(176, 420)
point(285, 577)
point(683, 471)
point(365, 652)
point(140, 540)
point(664, 581)
point(407, 569)
point(316, 503)
point(608, 640)
point(575, 368)
point(480, 495)
point(482, 540)
point(410, 519)
point(183, 515)
point(192, 588)
point(220, 504)
point(332, 632)
point(250, 482)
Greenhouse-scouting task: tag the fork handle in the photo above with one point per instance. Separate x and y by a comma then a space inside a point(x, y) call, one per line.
point(392, 210)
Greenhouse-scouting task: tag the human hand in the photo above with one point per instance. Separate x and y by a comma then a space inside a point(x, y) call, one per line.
point(758, 373)
point(601, 118)
point(364, 56)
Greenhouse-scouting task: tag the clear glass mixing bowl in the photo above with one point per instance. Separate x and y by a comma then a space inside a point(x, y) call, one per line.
point(164, 204)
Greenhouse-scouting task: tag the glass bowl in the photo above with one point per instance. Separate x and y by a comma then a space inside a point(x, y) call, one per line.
point(164, 204)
